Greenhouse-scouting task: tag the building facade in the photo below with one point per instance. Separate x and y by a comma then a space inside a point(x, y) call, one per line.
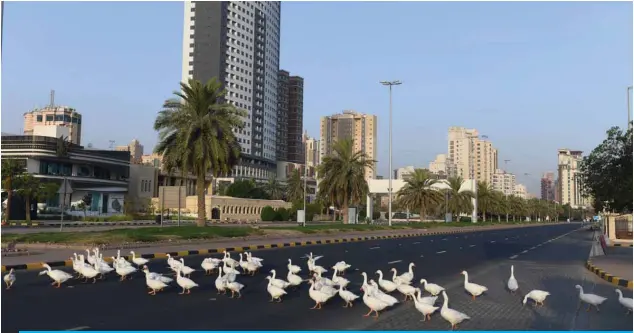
point(470, 156)
point(519, 190)
point(239, 44)
point(548, 186)
point(569, 178)
point(351, 125)
point(504, 182)
point(135, 148)
point(103, 175)
point(63, 116)
point(290, 118)
point(312, 150)
point(404, 172)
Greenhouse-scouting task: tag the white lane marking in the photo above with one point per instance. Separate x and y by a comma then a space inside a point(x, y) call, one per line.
point(444, 239)
point(471, 245)
point(524, 251)
point(78, 328)
point(492, 242)
point(461, 247)
point(212, 299)
point(394, 262)
point(513, 257)
point(421, 256)
point(532, 248)
point(416, 243)
point(431, 240)
point(374, 248)
point(439, 252)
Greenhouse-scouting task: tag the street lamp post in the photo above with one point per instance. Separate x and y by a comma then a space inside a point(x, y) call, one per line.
point(629, 110)
point(506, 194)
point(305, 181)
point(389, 190)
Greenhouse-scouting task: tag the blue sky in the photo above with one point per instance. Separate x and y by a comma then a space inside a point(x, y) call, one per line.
point(534, 77)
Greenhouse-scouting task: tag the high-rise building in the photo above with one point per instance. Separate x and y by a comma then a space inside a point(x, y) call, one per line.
point(136, 151)
point(569, 183)
point(504, 182)
point(548, 186)
point(404, 172)
point(238, 43)
point(312, 150)
point(358, 127)
point(290, 118)
point(470, 156)
point(54, 115)
point(519, 190)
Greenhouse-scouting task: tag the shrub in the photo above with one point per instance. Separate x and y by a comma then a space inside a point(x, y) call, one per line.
point(268, 214)
point(282, 214)
point(376, 215)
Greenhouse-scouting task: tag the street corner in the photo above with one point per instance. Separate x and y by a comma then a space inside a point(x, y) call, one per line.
point(617, 281)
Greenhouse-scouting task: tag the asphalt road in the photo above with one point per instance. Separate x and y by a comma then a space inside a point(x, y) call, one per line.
point(111, 305)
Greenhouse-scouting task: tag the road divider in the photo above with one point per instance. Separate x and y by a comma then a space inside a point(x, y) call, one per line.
point(615, 280)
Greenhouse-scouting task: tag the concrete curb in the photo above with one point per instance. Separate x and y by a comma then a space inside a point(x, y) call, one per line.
point(621, 245)
point(86, 224)
point(69, 263)
point(617, 281)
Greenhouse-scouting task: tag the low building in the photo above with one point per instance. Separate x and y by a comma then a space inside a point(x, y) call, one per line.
point(101, 174)
point(285, 171)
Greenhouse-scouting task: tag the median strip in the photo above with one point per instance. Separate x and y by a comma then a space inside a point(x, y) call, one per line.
point(617, 281)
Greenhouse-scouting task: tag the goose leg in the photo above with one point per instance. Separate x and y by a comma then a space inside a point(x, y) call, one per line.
point(473, 297)
point(346, 305)
point(279, 299)
point(231, 294)
point(239, 295)
point(597, 307)
point(377, 315)
point(182, 292)
point(315, 307)
point(59, 285)
point(94, 280)
point(8, 286)
point(588, 308)
point(272, 299)
point(368, 314)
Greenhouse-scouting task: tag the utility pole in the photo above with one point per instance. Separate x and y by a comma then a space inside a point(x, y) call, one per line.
point(506, 196)
point(389, 190)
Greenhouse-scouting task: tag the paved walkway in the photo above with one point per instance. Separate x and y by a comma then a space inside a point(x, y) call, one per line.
point(60, 254)
point(617, 262)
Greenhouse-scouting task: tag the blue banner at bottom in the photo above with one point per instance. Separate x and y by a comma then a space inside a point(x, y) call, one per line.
point(87, 329)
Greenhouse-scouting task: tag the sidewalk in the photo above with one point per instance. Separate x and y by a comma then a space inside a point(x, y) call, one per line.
point(57, 256)
point(614, 267)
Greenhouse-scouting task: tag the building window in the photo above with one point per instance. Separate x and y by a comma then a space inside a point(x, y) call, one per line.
point(49, 117)
point(39, 118)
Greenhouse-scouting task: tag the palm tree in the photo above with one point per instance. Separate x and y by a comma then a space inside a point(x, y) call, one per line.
point(196, 133)
point(11, 169)
point(295, 187)
point(457, 201)
point(498, 204)
point(342, 176)
point(31, 188)
point(418, 192)
point(485, 199)
point(517, 206)
point(274, 189)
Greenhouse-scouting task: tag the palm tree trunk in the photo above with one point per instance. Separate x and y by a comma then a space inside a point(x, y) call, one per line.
point(422, 214)
point(7, 216)
point(27, 200)
point(200, 192)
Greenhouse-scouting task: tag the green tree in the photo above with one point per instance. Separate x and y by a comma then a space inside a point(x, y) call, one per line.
point(31, 188)
point(607, 172)
point(418, 192)
point(11, 169)
point(457, 201)
point(517, 207)
point(342, 176)
point(274, 189)
point(295, 187)
point(196, 133)
point(486, 199)
point(246, 188)
point(268, 214)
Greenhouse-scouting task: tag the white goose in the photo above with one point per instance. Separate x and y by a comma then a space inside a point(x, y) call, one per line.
point(538, 296)
point(313, 258)
point(512, 283)
point(90, 272)
point(278, 282)
point(293, 268)
point(58, 276)
point(374, 303)
point(124, 270)
point(186, 270)
point(154, 284)
point(228, 260)
point(103, 268)
point(221, 283)
point(319, 296)
point(338, 280)
point(376, 292)
point(139, 261)
point(452, 316)
point(172, 263)
point(158, 276)
point(425, 309)
point(625, 301)
point(208, 265)
point(408, 276)
point(121, 259)
point(341, 267)
point(249, 266)
point(186, 283)
point(407, 291)
point(228, 269)
point(323, 280)
point(275, 292)
point(590, 299)
point(255, 260)
point(9, 279)
point(432, 288)
point(347, 296)
point(387, 285)
point(242, 263)
point(235, 287)
point(396, 278)
point(473, 288)
point(294, 279)
point(315, 268)
point(90, 258)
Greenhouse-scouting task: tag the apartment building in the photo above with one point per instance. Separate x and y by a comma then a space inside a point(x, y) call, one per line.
point(360, 128)
point(53, 115)
point(404, 173)
point(569, 185)
point(312, 150)
point(504, 182)
point(290, 118)
point(519, 190)
point(470, 155)
point(136, 151)
point(548, 186)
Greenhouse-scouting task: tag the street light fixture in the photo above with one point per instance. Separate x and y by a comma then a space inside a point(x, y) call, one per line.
point(389, 190)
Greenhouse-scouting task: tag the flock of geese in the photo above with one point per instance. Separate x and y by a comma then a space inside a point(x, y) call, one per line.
point(376, 296)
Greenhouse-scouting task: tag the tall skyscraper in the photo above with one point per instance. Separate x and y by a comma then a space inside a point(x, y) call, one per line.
point(239, 44)
point(360, 128)
point(548, 186)
point(569, 183)
point(290, 118)
point(470, 156)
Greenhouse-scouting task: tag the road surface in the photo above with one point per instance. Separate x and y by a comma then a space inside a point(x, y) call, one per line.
point(541, 257)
